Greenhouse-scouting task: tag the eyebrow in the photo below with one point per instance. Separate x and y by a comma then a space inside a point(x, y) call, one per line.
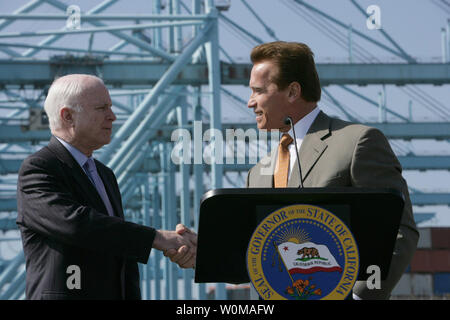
point(256, 87)
point(107, 105)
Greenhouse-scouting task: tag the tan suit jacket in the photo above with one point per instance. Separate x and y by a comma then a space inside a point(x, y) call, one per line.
point(335, 153)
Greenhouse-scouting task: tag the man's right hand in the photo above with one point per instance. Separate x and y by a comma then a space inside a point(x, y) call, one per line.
point(179, 245)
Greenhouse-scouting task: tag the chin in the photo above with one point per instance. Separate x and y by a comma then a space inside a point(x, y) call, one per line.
point(261, 125)
point(101, 142)
point(266, 126)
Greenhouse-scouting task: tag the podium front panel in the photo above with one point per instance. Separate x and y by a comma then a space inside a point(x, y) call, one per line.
point(228, 218)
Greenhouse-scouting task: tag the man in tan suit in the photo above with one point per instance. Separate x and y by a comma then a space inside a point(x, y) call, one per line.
point(333, 153)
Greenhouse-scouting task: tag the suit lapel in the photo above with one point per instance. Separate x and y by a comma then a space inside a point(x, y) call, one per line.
point(312, 148)
point(78, 174)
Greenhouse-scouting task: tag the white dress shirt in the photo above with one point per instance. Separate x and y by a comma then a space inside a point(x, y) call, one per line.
point(301, 128)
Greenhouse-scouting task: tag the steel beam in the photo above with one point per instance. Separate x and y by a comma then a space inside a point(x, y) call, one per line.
point(49, 40)
point(67, 49)
point(374, 103)
point(10, 165)
point(8, 204)
point(102, 17)
point(198, 174)
point(401, 130)
point(147, 72)
point(422, 163)
point(185, 205)
point(141, 134)
point(8, 274)
point(169, 215)
point(150, 99)
point(414, 130)
point(360, 74)
point(425, 162)
point(96, 29)
point(362, 35)
point(406, 56)
point(214, 81)
point(16, 283)
point(146, 269)
point(4, 23)
point(428, 199)
point(130, 39)
point(7, 224)
point(157, 224)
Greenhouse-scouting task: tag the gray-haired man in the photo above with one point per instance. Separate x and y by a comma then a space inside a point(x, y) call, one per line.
point(70, 213)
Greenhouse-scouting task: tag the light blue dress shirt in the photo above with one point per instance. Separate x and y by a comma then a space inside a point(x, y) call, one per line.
point(82, 159)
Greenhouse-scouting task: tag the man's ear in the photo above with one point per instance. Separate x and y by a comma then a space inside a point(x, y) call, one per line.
point(295, 91)
point(66, 115)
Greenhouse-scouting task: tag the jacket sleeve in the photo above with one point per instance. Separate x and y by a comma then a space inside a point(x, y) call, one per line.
point(46, 206)
point(374, 164)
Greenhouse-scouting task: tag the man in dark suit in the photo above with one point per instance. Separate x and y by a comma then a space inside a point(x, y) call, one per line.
point(332, 152)
point(76, 242)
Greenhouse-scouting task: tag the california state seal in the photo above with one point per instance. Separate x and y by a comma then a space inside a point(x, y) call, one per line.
point(302, 252)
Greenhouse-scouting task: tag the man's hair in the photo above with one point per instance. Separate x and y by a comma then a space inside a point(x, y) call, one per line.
point(295, 62)
point(65, 91)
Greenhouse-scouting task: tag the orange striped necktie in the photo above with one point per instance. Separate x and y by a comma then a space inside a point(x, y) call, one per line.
point(280, 178)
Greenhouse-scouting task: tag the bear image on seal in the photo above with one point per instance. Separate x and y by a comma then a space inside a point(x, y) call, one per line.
point(308, 253)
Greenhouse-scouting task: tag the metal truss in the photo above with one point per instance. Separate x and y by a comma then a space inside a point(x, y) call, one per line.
point(142, 72)
point(166, 69)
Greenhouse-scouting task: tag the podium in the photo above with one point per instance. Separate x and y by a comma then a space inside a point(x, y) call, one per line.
point(228, 218)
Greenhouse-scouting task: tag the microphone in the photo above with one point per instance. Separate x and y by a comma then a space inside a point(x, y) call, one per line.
point(288, 121)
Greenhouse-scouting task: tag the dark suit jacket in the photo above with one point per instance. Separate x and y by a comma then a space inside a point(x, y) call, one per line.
point(63, 222)
point(336, 153)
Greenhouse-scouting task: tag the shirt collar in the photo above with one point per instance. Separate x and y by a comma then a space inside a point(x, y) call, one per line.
point(79, 156)
point(302, 126)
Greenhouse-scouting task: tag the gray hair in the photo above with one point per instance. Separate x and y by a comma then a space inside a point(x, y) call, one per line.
point(64, 92)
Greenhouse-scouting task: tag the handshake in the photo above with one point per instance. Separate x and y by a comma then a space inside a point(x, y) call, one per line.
point(179, 245)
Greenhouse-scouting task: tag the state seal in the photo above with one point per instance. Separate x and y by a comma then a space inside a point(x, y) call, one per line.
point(302, 252)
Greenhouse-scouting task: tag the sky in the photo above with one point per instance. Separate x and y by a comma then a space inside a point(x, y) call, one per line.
point(415, 25)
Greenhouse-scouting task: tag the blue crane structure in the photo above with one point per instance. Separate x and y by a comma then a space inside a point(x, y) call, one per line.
point(169, 72)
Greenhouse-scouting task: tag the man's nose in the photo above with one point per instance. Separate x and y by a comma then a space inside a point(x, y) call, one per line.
point(111, 115)
point(251, 103)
